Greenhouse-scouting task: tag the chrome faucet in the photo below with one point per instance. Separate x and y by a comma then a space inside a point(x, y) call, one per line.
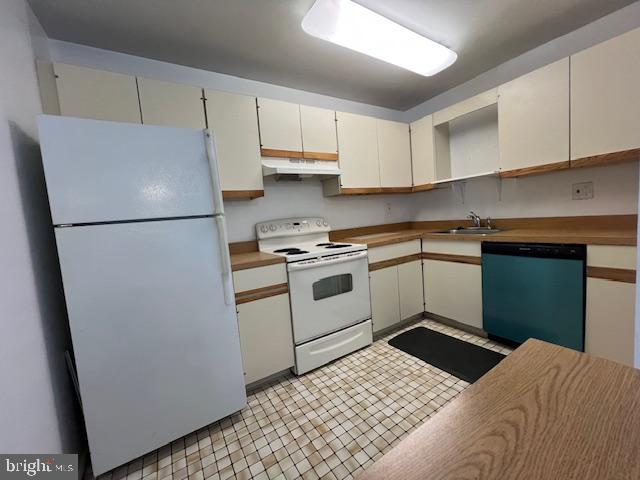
point(475, 218)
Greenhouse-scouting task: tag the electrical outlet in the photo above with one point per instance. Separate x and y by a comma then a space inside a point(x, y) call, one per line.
point(387, 209)
point(582, 191)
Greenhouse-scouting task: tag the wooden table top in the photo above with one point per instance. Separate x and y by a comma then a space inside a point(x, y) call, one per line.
point(545, 412)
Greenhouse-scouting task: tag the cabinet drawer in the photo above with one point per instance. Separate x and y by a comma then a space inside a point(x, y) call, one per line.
point(387, 252)
point(452, 247)
point(611, 256)
point(252, 278)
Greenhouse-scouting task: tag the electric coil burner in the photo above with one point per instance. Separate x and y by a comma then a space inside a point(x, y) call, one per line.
point(328, 289)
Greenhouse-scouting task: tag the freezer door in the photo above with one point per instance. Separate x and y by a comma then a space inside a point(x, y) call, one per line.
point(156, 347)
point(99, 171)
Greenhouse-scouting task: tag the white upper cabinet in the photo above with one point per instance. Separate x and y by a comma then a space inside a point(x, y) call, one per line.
point(466, 138)
point(318, 132)
point(358, 141)
point(394, 154)
point(280, 127)
point(422, 151)
point(464, 107)
point(533, 118)
point(605, 97)
point(88, 93)
point(171, 104)
point(234, 123)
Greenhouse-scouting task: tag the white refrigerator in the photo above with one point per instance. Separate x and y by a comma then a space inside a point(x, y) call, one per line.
point(140, 231)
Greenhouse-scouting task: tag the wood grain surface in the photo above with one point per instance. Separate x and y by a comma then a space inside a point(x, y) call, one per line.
point(424, 187)
point(272, 152)
point(449, 257)
point(242, 194)
point(614, 274)
point(544, 413)
point(607, 158)
point(243, 261)
point(538, 169)
point(320, 155)
point(394, 261)
point(259, 293)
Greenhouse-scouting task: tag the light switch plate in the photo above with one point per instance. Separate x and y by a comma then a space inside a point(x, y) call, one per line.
point(582, 191)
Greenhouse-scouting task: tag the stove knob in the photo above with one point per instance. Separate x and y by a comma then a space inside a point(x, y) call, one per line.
point(325, 223)
point(272, 227)
point(319, 223)
point(264, 228)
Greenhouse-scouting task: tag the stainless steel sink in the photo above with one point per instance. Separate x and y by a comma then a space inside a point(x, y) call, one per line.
point(471, 231)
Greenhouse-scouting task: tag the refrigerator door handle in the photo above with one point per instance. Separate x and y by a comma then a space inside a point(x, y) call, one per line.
point(218, 205)
point(225, 258)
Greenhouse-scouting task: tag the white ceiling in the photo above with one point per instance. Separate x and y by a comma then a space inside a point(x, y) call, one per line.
point(262, 39)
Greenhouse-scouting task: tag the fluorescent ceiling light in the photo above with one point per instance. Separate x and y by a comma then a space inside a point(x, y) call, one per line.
point(353, 26)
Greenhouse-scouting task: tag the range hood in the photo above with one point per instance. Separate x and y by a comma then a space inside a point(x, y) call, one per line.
point(299, 168)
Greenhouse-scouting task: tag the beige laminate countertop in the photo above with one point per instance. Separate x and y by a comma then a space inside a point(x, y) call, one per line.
point(586, 236)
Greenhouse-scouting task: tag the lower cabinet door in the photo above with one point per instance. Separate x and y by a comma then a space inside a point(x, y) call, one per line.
point(265, 337)
point(454, 290)
point(385, 299)
point(610, 320)
point(410, 286)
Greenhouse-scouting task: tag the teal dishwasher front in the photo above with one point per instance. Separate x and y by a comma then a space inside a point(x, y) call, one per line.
point(534, 291)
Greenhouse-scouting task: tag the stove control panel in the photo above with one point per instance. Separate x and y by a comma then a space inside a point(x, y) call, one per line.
point(292, 226)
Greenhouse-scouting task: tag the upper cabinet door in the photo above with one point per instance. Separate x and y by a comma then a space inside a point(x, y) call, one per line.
point(394, 153)
point(171, 104)
point(605, 97)
point(358, 140)
point(533, 118)
point(280, 128)
point(234, 123)
point(88, 93)
point(422, 151)
point(319, 138)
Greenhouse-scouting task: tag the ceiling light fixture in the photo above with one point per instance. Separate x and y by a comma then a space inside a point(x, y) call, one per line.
point(353, 26)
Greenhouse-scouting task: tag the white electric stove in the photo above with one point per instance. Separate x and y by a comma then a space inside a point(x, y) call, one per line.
point(328, 289)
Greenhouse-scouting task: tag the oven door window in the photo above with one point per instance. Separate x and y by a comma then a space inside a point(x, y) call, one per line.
point(332, 286)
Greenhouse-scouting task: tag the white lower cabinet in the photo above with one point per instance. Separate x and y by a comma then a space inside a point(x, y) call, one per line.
point(396, 294)
point(410, 287)
point(610, 320)
point(454, 290)
point(265, 337)
point(385, 298)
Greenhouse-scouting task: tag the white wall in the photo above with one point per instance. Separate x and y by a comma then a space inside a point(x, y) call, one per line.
point(548, 195)
point(290, 199)
point(604, 28)
point(37, 413)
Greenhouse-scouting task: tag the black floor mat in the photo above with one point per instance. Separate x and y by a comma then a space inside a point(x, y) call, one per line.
point(462, 359)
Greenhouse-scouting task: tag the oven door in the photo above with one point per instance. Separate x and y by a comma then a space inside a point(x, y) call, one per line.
point(328, 294)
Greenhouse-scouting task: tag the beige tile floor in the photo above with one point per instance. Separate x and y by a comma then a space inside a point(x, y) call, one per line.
point(331, 423)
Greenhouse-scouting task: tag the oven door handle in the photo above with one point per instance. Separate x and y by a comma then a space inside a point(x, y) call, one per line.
point(304, 265)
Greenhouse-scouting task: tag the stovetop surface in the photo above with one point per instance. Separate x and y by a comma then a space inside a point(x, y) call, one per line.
point(300, 239)
point(294, 251)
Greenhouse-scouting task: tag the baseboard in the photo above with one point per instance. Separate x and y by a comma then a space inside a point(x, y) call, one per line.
point(398, 326)
point(455, 324)
point(263, 381)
